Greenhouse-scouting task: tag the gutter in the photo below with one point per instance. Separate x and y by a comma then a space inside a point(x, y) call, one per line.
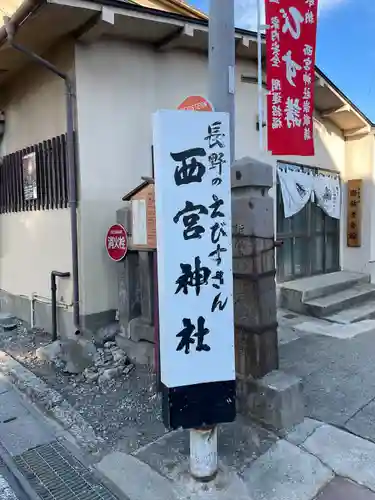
point(10, 30)
point(20, 16)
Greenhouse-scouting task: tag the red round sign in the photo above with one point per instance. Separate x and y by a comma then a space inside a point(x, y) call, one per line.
point(116, 242)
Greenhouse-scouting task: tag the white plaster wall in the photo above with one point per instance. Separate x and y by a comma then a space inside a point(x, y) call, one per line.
point(115, 97)
point(32, 244)
point(119, 86)
point(359, 164)
point(34, 102)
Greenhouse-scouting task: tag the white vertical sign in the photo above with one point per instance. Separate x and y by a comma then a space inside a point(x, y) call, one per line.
point(194, 245)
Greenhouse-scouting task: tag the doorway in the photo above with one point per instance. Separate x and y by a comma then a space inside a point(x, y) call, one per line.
point(311, 242)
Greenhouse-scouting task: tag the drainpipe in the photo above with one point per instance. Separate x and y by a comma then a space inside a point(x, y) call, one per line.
point(70, 158)
point(54, 275)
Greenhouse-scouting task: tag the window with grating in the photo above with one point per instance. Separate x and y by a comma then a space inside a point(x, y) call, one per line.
point(35, 178)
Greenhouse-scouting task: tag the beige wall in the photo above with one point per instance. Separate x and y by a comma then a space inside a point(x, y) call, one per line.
point(34, 102)
point(359, 164)
point(32, 244)
point(119, 86)
point(128, 83)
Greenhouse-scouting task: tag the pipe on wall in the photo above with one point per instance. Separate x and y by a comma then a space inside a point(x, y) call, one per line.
point(54, 275)
point(10, 28)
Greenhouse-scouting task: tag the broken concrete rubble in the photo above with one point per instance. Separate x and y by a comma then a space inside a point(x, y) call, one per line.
point(96, 364)
point(106, 334)
point(49, 352)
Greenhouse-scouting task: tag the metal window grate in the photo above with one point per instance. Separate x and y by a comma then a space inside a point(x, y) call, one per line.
point(55, 474)
point(50, 178)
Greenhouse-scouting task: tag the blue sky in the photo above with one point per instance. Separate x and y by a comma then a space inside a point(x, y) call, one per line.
point(346, 47)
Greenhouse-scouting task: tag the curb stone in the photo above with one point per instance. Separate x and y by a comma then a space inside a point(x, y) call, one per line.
point(50, 401)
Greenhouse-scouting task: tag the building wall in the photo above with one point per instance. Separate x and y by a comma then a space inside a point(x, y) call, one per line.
point(114, 152)
point(32, 244)
point(359, 164)
point(128, 83)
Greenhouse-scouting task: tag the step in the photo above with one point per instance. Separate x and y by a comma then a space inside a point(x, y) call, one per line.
point(330, 304)
point(353, 314)
point(294, 293)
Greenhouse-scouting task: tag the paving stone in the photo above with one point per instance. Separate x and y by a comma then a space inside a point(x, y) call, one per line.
point(22, 434)
point(347, 455)
point(301, 432)
point(334, 395)
point(11, 407)
point(363, 423)
point(342, 489)
point(4, 385)
point(239, 444)
point(285, 472)
point(307, 354)
point(135, 478)
point(338, 375)
point(338, 331)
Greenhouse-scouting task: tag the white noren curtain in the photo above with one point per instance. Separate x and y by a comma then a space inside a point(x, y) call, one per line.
point(298, 185)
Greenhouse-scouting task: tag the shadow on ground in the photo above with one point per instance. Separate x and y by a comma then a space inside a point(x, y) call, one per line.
point(338, 376)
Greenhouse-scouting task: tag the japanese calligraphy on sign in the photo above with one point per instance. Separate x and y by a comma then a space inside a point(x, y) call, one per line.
point(116, 242)
point(194, 245)
point(354, 213)
point(290, 48)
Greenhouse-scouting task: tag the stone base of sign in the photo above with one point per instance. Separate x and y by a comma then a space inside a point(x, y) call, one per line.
point(141, 353)
point(275, 400)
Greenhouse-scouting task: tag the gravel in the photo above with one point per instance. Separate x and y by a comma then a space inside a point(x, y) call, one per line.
point(125, 412)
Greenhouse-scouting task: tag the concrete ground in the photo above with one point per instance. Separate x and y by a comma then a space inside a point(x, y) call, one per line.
point(336, 364)
point(330, 456)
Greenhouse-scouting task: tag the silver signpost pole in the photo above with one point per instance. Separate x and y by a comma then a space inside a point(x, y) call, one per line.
point(221, 84)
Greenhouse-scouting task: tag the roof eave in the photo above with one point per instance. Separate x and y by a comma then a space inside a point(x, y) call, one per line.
point(29, 6)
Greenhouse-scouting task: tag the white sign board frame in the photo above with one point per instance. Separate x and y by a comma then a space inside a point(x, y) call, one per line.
point(203, 357)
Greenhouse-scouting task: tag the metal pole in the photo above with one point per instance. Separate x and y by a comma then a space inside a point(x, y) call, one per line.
point(221, 61)
point(260, 78)
point(72, 170)
point(203, 453)
point(221, 85)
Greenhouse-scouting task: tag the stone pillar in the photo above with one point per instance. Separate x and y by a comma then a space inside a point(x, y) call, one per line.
point(255, 293)
point(146, 285)
point(136, 300)
point(128, 279)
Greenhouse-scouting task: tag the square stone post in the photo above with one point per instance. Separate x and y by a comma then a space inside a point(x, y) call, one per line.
point(262, 391)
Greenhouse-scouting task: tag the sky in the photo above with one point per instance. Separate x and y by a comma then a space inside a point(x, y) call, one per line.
point(345, 44)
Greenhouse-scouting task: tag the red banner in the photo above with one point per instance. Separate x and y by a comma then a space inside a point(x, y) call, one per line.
point(290, 52)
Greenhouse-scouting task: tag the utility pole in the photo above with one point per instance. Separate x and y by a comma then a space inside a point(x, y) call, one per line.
point(221, 61)
point(221, 89)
